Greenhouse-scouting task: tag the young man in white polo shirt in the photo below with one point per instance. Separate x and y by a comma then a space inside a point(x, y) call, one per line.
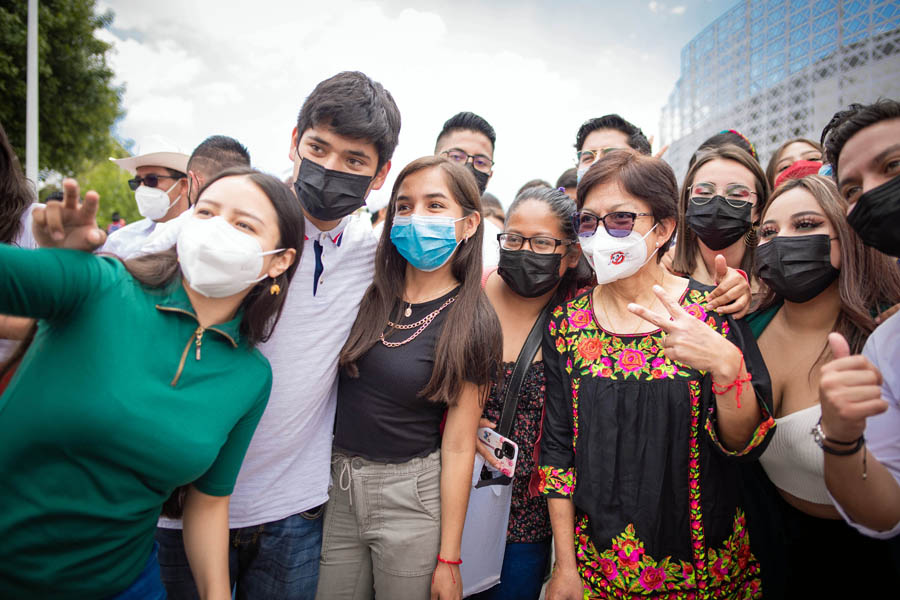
point(341, 148)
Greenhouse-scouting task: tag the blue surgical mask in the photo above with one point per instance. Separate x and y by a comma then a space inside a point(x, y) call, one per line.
point(426, 242)
point(580, 173)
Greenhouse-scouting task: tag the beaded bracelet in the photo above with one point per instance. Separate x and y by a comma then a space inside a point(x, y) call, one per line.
point(739, 381)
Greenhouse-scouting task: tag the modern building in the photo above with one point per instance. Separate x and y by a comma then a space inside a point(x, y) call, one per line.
point(780, 69)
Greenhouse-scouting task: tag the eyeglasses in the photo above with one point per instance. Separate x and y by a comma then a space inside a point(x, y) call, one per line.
point(617, 224)
point(479, 161)
point(736, 195)
point(151, 180)
point(587, 157)
point(541, 244)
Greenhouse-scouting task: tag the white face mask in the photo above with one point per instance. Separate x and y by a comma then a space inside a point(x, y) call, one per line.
point(615, 258)
point(154, 203)
point(216, 259)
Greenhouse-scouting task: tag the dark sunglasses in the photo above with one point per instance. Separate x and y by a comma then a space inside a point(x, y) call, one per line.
point(617, 224)
point(151, 180)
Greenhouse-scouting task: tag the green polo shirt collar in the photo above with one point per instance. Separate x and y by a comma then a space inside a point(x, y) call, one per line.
point(176, 300)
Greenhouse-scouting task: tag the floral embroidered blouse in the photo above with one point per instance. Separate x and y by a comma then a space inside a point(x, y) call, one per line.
point(631, 437)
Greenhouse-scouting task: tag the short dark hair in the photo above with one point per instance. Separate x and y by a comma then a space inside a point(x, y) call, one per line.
point(647, 178)
point(568, 179)
point(217, 153)
point(636, 138)
point(354, 106)
point(847, 123)
point(468, 121)
point(491, 207)
point(534, 183)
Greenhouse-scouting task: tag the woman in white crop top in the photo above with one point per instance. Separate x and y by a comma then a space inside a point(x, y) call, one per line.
point(821, 278)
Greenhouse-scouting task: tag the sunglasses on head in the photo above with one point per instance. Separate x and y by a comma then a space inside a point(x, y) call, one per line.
point(151, 180)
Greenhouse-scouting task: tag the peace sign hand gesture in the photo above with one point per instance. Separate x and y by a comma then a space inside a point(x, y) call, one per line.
point(690, 341)
point(69, 224)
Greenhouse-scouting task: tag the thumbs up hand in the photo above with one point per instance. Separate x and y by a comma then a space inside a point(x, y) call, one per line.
point(732, 294)
point(849, 390)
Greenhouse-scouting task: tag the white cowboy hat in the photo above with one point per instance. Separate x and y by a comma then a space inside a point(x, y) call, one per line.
point(155, 151)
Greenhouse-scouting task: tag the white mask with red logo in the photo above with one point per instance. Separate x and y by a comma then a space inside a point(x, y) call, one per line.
point(615, 258)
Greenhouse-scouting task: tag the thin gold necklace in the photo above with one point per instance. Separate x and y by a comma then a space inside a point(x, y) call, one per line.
point(408, 312)
point(421, 324)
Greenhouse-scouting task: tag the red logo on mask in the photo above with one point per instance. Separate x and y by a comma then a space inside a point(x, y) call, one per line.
point(617, 258)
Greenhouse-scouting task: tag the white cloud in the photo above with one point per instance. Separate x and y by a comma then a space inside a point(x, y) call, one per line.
point(655, 7)
point(194, 69)
point(679, 10)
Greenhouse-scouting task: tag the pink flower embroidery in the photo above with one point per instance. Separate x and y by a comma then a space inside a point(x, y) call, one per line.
point(695, 310)
point(580, 318)
point(652, 578)
point(608, 568)
point(631, 360)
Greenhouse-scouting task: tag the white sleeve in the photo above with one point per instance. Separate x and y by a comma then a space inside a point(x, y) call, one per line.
point(883, 431)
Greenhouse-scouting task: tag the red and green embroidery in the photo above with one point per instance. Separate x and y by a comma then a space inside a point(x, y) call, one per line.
point(759, 434)
point(625, 570)
point(558, 481)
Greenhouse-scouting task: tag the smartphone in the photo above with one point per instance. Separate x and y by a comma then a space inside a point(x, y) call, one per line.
point(504, 449)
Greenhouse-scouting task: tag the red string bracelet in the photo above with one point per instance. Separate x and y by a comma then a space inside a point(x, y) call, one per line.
point(447, 562)
point(738, 381)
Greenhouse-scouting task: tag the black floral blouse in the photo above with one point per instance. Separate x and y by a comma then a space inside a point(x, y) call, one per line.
point(631, 436)
point(529, 520)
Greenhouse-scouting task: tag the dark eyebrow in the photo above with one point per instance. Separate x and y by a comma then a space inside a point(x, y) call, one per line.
point(804, 213)
point(883, 154)
point(319, 140)
point(359, 153)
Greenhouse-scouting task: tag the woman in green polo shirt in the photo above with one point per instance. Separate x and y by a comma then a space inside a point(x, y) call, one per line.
point(142, 377)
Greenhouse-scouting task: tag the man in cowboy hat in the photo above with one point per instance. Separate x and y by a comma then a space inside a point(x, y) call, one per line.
point(160, 187)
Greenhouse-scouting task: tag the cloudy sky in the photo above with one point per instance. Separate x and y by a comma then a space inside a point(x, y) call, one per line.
point(534, 70)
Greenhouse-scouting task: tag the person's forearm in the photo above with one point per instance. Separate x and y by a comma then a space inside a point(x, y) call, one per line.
point(735, 425)
point(873, 502)
point(206, 543)
point(14, 328)
point(562, 521)
point(456, 479)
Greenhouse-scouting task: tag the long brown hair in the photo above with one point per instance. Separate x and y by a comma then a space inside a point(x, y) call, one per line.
point(867, 281)
point(776, 156)
point(685, 260)
point(261, 309)
point(470, 345)
point(15, 192)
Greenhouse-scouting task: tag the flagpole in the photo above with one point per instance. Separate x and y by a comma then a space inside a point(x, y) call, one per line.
point(31, 102)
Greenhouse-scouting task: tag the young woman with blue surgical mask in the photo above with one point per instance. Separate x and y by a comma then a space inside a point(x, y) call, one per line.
point(425, 343)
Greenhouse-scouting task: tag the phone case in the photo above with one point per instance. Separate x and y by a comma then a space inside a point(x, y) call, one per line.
point(506, 450)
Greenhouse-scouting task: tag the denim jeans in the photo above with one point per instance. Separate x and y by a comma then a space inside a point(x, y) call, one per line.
point(273, 560)
point(148, 585)
point(522, 576)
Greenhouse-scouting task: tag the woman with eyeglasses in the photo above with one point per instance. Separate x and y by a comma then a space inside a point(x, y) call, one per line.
point(424, 344)
point(540, 264)
point(718, 214)
point(822, 279)
point(98, 431)
point(651, 399)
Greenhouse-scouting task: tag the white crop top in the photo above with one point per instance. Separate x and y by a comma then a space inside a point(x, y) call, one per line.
point(793, 461)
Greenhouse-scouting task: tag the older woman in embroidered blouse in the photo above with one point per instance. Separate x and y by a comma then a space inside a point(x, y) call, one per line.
point(650, 395)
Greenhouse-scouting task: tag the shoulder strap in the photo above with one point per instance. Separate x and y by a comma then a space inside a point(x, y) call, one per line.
point(523, 362)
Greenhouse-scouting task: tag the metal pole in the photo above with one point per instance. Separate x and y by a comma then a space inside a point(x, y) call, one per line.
point(31, 104)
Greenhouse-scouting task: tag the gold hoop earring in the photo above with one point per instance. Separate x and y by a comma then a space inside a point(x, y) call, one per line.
point(751, 239)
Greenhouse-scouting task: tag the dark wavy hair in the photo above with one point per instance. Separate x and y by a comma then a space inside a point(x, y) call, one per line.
point(564, 209)
point(847, 123)
point(16, 194)
point(470, 345)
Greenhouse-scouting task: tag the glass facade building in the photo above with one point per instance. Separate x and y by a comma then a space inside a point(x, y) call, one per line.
point(780, 69)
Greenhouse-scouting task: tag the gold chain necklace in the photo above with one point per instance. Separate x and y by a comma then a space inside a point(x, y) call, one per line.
point(421, 324)
point(408, 312)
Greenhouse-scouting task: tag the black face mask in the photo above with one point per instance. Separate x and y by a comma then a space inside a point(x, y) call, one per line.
point(480, 178)
point(528, 273)
point(796, 268)
point(717, 223)
point(329, 195)
point(876, 217)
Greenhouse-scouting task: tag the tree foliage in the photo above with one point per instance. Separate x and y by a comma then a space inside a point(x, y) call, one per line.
point(77, 101)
